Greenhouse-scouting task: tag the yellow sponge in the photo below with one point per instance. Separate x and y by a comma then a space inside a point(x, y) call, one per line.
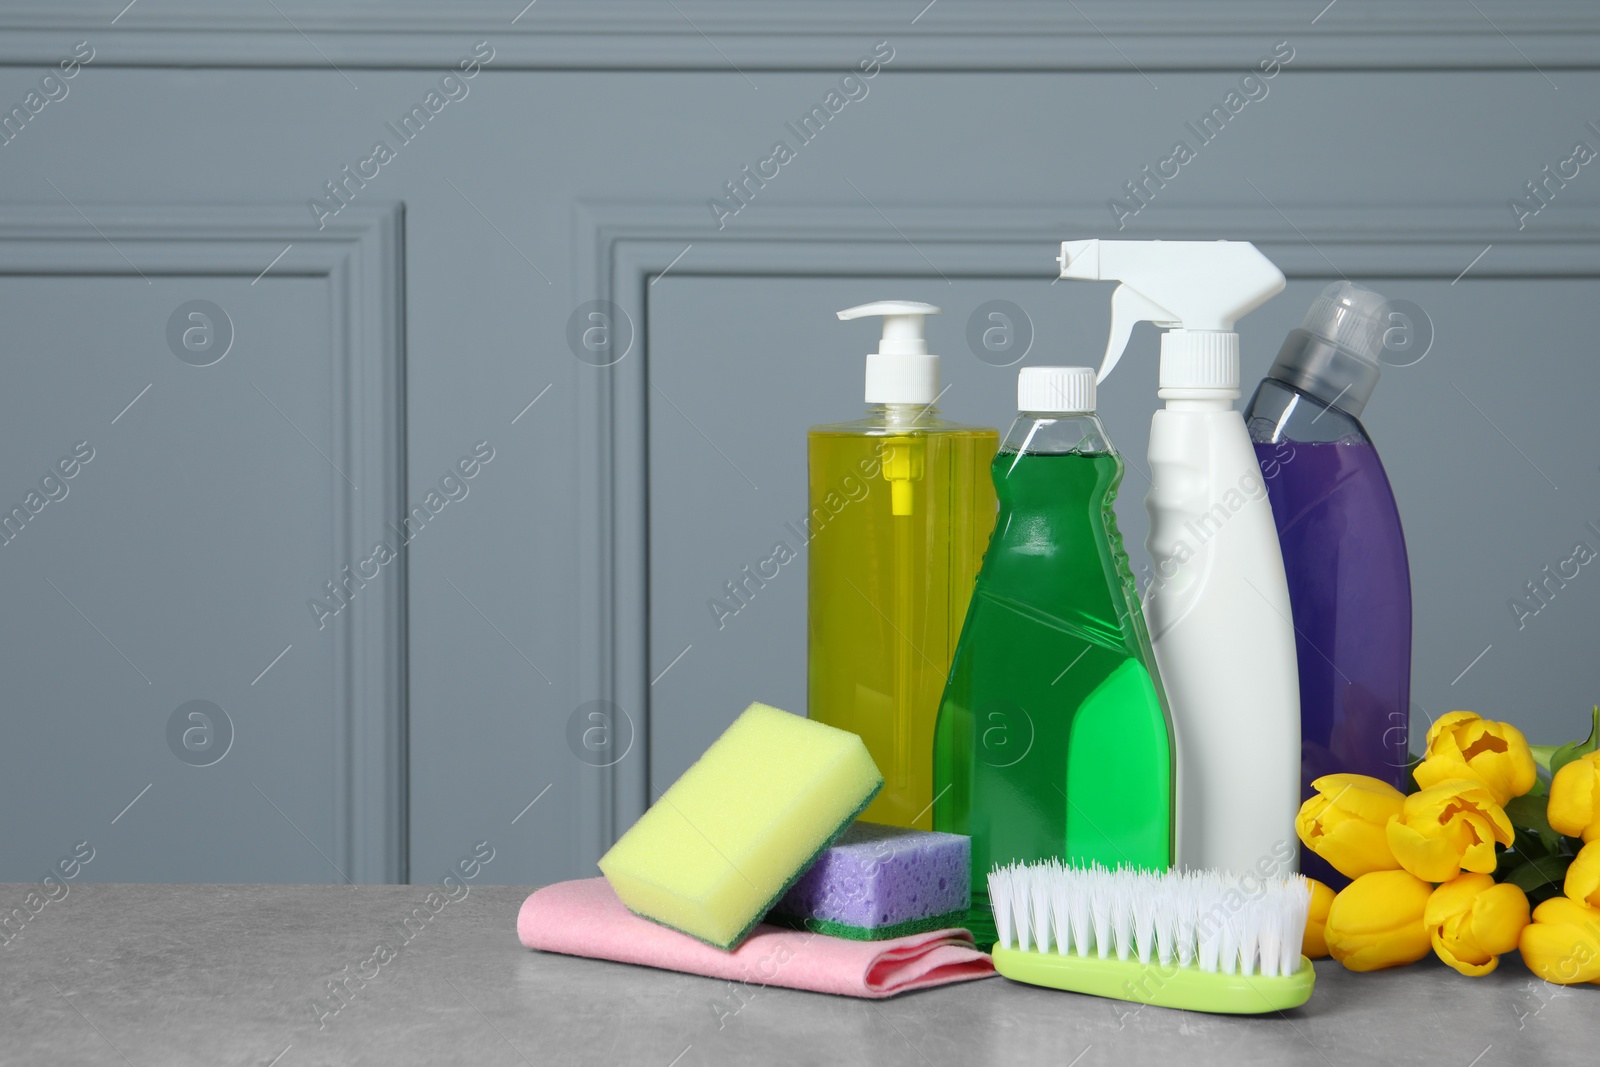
point(730, 836)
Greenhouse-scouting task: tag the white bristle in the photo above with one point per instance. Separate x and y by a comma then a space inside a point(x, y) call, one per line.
point(1080, 914)
point(1203, 919)
point(1295, 908)
point(1250, 937)
point(1060, 904)
point(1228, 955)
point(1027, 935)
point(1271, 939)
point(1000, 904)
point(1122, 920)
point(1166, 925)
point(1208, 953)
point(1185, 898)
point(1144, 919)
point(1039, 918)
point(1100, 907)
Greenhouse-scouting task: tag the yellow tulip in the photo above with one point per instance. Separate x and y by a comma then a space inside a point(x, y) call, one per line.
point(1583, 877)
point(1447, 829)
point(1462, 745)
point(1562, 944)
point(1344, 823)
point(1575, 798)
point(1315, 944)
point(1471, 921)
point(1376, 921)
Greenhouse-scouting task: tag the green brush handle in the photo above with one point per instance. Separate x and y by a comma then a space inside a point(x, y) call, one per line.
point(1169, 986)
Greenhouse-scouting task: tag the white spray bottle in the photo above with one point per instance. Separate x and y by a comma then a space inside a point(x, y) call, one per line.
point(1217, 604)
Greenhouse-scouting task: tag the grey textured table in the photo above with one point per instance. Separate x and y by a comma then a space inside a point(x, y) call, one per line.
point(147, 975)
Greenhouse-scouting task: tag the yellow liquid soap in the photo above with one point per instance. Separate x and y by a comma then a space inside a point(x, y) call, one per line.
point(901, 509)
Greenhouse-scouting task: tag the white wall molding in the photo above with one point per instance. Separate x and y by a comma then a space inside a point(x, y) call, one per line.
point(719, 35)
point(359, 255)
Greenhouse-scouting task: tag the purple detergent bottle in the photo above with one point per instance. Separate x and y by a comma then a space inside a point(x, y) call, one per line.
point(1343, 549)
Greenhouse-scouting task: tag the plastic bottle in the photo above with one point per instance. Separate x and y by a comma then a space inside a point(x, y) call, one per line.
point(900, 511)
point(1218, 603)
point(1053, 736)
point(1343, 547)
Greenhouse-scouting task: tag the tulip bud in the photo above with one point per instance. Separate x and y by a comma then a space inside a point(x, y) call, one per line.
point(1314, 946)
point(1583, 876)
point(1574, 807)
point(1376, 921)
point(1495, 754)
point(1562, 944)
point(1448, 828)
point(1471, 921)
point(1344, 823)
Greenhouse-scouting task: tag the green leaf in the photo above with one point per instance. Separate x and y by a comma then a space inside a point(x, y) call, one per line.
point(1530, 813)
point(1530, 817)
point(1528, 845)
point(1572, 750)
point(1532, 874)
point(1542, 754)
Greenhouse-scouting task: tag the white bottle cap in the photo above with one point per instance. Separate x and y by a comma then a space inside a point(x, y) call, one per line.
point(901, 371)
point(1056, 390)
point(1199, 359)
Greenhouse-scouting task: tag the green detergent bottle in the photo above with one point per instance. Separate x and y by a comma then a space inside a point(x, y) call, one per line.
point(1053, 737)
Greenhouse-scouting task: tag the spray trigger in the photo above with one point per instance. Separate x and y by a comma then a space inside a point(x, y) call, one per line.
point(1129, 307)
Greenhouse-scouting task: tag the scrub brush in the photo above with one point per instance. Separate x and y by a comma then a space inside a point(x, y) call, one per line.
point(1198, 940)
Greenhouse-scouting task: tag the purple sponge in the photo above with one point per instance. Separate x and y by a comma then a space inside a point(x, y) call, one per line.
point(880, 882)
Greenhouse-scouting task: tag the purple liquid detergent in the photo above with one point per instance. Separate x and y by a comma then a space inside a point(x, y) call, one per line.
point(1350, 591)
point(1344, 550)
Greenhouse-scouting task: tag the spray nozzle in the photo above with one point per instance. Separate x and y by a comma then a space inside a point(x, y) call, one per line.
point(901, 371)
point(1196, 290)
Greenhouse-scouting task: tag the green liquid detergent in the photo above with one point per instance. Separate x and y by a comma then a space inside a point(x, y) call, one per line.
point(1053, 737)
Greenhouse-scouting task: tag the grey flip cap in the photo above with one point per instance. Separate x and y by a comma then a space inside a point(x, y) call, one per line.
point(1333, 355)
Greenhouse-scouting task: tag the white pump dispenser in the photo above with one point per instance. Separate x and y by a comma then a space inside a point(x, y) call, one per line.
point(901, 371)
point(1217, 602)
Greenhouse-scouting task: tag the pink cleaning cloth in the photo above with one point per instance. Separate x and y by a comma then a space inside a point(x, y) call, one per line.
point(585, 918)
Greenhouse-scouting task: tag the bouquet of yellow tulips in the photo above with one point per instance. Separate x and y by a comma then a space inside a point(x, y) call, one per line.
point(1495, 827)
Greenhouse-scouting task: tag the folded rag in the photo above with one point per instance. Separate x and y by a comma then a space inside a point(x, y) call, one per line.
point(585, 918)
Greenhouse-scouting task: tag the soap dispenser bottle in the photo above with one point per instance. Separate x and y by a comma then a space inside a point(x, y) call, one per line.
point(1053, 739)
point(901, 508)
point(1344, 551)
point(1217, 602)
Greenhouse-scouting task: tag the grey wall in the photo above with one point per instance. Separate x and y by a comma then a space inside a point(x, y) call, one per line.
point(448, 702)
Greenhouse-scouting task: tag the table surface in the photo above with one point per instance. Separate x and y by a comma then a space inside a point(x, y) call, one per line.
point(214, 974)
